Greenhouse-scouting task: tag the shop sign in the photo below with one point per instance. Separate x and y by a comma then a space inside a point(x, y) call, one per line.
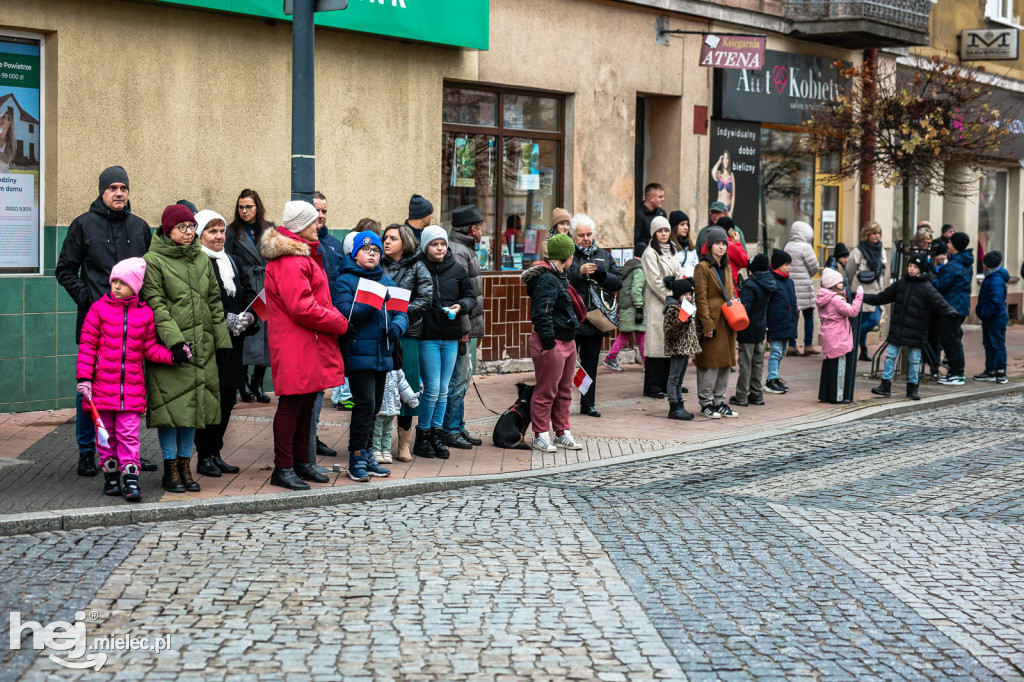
point(989, 44)
point(732, 52)
point(735, 163)
point(788, 89)
point(458, 23)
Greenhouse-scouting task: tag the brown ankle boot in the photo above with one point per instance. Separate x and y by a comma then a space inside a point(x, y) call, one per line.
point(403, 453)
point(185, 471)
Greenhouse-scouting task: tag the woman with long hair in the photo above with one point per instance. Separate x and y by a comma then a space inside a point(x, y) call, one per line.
point(659, 261)
point(686, 249)
point(7, 142)
point(712, 287)
point(242, 244)
point(721, 173)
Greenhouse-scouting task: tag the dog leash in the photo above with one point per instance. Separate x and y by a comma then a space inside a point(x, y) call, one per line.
point(481, 398)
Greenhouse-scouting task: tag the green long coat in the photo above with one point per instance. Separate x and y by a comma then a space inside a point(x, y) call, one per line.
point(631, 296)
point(182, 290)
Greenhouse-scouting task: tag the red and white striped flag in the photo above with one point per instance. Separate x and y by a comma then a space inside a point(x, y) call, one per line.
point(686, 309)
point(399, 301)
point(259, 305)
point(582, 380)
point(370, 293)
point(102, 435)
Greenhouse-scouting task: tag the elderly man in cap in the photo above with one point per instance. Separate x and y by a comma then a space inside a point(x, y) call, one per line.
point(421, 212)
point(467, 231)
point(715, 211)
point(98, 239)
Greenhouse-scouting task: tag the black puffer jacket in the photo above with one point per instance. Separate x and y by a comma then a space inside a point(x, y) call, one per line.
point(551, 309)
point(914, 301)
point(96, 241)
point(755, 296)
point(463, 247)
point(410, 273)
point(607, 277)
point(451, 286)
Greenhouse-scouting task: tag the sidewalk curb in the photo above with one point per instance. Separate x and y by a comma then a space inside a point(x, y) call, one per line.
point(40, 522)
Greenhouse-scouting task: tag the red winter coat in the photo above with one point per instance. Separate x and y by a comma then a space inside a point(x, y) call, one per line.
point(303, 325)
point(116, 335)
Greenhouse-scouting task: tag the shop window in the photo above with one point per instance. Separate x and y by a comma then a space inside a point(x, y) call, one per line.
point(502, 150)
point(897, 210)
point(991, 215)
point(788, 184)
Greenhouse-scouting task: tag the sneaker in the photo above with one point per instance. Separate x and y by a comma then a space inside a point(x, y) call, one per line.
point(710, 412)
point(375, 469)
point(739, 402)
point(782, 382)
point(755, 399)
point(612, 364)
point(725, 411)
point(541, 444)
point(344, 405)
point(985, 376)
point(1001, 377)
point(773, 386)
point(566, 441)
point(952, 380)
point(385, 457)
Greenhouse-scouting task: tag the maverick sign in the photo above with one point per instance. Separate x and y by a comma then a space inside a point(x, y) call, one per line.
point(788, 89)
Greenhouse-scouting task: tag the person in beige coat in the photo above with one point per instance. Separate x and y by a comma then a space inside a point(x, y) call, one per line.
point(867, 268)
point(658, 262)
point(712, 287)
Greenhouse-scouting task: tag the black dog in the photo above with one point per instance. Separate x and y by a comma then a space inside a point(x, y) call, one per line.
point(510, 431)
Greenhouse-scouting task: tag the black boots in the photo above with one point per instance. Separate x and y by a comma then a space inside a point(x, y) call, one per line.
point(206, 467)
point(223, 466)
point(308, 472)
point(883, 389)
point(912, 392)
point(185, 474)
point(246, 395)
point(437, 440)
point(678, 411)
point(423, 446)
point(286, 478)
point(111, 478)
point(172, 477)
point(456, 440)
point(257, 390)
point(323, 451)
point(87, 463)
point(130, 484)
point(864, 357)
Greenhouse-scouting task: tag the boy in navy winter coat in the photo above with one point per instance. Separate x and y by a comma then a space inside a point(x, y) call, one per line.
point(991, 310)
point(755, 295)
point(783, 316)
point(954, 283)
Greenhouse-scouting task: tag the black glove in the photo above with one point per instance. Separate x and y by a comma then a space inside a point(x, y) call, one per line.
point(223, 357)
point(178, 354)
point(639, 319)
point(393, 333)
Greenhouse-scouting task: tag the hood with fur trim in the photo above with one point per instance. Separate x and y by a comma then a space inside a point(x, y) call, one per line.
point(277, 242)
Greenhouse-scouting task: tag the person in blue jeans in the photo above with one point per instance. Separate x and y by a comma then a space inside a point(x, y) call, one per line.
point(443, 326)
point(783, 316)
point(991, 310)
point(914, 300)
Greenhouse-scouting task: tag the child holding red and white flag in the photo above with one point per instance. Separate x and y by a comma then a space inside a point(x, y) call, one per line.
point(362, 290)
point(681, 340)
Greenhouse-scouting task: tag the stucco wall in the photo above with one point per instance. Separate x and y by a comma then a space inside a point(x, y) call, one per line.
point(197, 104)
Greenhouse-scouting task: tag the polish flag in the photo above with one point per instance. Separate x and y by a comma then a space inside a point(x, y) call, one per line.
point(370, 293)
point(399, 301)
point(102, 436)
point(686, 309)
point(259, 305)
point(582, 380)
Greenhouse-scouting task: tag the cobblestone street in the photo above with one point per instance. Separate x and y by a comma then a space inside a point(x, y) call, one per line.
point(882, 549)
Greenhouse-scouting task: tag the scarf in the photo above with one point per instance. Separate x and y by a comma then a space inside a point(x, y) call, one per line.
point(872, 255)
point(227, 273)
point(589, 251)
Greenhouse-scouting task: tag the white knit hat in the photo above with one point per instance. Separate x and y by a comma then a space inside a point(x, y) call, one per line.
point(204, 218)
point(660, 223)
point(432, 233)
point(298, 215)
point(830, 278)
point(350, 239)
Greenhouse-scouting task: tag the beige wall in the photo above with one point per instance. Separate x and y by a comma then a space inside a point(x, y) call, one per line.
point(197, 105)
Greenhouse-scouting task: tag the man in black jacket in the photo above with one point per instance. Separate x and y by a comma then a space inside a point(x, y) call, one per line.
point(592, 273)
point(96, 241)
point(648, 210)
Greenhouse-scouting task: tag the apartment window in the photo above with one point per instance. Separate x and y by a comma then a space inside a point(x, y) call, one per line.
point(992, 209)
point(502, 150)
point(1001, 11)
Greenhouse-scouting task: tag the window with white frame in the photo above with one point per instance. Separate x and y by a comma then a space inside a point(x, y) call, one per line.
point(1001, 11)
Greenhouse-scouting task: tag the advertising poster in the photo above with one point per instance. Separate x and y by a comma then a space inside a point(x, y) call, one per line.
point(464, 168)
point(735, 164)
point(20, 152)
point(529, 167)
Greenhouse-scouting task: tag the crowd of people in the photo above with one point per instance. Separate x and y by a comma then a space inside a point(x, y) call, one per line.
point(181, 323)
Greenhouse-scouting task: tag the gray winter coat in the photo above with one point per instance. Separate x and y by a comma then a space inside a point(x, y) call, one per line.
point(805, 264)
point(463, 247)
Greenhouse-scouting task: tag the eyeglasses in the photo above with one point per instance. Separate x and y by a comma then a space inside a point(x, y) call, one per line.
point(185, 228)
point(251, 207)
point(372, 250)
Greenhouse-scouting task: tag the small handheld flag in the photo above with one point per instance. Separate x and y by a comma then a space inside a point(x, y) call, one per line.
point(582, 381)
point(686, 309)
point(399, 299)
point(102, 436)
point(370, 293)
point(259, 305)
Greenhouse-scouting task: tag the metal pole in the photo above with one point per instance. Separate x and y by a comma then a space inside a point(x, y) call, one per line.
point(303, 139)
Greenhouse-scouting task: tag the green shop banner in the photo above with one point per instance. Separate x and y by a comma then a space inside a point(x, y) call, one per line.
point(458, 23)
point(19, 70)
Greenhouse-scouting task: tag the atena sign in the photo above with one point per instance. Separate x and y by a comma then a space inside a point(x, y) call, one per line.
point(787, 90)
point(459, 23)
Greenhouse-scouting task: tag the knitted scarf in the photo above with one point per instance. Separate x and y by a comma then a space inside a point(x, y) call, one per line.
point(227, 273)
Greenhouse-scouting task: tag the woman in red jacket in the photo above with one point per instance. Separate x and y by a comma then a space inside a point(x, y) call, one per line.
point(303, 329)
point(738, 257)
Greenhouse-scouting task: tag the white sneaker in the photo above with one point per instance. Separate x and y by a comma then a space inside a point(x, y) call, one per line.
point(726, 411)
point(952, 380)
point(566, 441)
point(385, 457)
point(710, 412)
point(377, 456)
point(542, 444)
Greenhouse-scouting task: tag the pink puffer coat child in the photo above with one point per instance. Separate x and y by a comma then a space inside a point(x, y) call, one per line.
point(835, 314)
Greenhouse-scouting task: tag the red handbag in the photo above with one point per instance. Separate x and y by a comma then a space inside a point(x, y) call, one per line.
point(735, 315)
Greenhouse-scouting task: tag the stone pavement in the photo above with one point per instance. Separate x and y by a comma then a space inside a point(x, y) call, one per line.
point(38, 452)
point(890, 551)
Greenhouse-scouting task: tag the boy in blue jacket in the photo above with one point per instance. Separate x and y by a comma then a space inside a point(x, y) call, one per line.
point(755, 295)
point(991, 310)
point(954, 283)
point(783, 316)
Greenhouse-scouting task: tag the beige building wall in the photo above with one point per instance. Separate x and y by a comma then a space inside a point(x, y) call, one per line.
point(197, 105)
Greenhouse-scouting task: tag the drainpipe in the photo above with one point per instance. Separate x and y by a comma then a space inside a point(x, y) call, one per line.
point(867, 173)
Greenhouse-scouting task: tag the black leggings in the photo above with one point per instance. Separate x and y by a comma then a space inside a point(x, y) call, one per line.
point(367, 395)
point(589, 350)
point(210, 440)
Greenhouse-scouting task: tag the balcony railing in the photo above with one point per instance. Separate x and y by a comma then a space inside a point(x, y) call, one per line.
point(911, 14)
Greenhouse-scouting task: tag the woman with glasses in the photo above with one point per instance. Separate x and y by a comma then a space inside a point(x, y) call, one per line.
point(242, 242)
point(181, 288)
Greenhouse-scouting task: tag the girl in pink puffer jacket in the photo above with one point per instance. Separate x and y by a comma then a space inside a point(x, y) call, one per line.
point(118, 333)
point(836, 335)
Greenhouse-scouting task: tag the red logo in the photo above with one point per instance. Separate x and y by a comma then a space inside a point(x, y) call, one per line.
point(780, 76)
